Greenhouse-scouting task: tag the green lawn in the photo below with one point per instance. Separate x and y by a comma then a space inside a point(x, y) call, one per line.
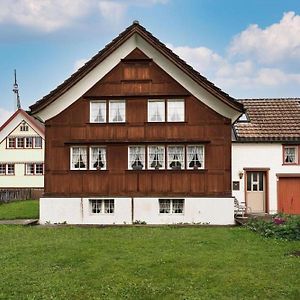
point(28, 209)
point(145, 263)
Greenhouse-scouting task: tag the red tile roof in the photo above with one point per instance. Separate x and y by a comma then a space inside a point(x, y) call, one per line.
point(115, 43)
point(276, 120)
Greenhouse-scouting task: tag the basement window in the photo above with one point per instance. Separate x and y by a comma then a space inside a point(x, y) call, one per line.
point(171, 206)
point(98, 206)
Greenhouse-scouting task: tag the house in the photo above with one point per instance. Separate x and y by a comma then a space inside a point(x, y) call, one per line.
point(266, 156)
point(137, 134)
point(22, 153)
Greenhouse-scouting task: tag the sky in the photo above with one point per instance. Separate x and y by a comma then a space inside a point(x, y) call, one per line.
point(248, 48)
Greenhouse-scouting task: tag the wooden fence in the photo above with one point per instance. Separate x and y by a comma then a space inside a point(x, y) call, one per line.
point(7, 195)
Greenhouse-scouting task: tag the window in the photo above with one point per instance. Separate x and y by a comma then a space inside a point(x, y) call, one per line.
point(37, 142)
point(97, 158)
point(29, 169)
point(39, 169)
point(7, 169)
point(10, 169)
point(34, 169)
point(2, 169)
point(20, 142)
point(171, 206)
point(98, 112)
point(28, 142)
point(175, 157)
point(106, 206)
point(11, 142)
point(195, 157)
point(136, 155)
point(156, 110)
point(175, 109)
point(116, 111)
point(24, 126)
point(156, 157)
point(78, 158)
point(255, 181)
point(290, 155)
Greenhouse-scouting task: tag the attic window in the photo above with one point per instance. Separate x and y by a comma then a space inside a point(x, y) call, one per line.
point(98, 112)
point(243, 118)
point(24, 126)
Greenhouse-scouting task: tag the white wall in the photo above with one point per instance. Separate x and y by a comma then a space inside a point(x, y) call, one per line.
point(215, 211)
point(260, 155)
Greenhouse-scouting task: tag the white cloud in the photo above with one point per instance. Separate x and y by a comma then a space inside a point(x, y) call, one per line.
point(280, 41)
point(4, 115)
point(51, 15)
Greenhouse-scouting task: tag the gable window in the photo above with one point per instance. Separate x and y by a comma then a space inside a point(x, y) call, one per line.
point(175, 157)
point(106, 206)
point(24, 126)
point(98, 111)
point(195, 157)
point(156, 157)
point(37, 142)
point(117, 111)
point(171, 206)
point(136, 157)
point(290, 155)
point(11, 142)
point(20, 142)
point(78, 158)
point(175, 110)
point(97, 158)
point(156, 110)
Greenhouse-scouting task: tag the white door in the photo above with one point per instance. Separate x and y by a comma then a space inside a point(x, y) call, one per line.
point(255, 193)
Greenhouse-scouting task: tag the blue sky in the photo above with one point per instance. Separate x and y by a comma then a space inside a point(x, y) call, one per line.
point(249, 48)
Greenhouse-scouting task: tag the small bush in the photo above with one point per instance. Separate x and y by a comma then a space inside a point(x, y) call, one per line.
point(280, 226)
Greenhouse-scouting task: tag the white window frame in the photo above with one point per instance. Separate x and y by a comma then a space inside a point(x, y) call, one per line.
point(143, 161)
point(17, 146)
point(110, 111)
point(296, 155)
point(183, 157)
point(171, 207)
point(168, 109)
point(14, 167)
point(163, 112)
point(34, 142)
point(15, 142)
point(71, 158)
point(105, 111)
point(25, 142)
point(149, 153)
point(187, 157)
point(103, 148)
point(5, 169)
point(102, 204)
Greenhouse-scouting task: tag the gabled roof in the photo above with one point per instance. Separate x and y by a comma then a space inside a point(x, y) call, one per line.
point(135, 28)
point(271, 120)
point(18, 116)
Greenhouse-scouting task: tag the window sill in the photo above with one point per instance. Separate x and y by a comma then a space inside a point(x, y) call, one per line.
point(166, 123)
point(106, 123)
point(168, 170)
point(291, 164)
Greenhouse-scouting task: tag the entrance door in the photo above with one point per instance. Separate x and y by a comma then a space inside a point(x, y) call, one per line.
point(255, 192)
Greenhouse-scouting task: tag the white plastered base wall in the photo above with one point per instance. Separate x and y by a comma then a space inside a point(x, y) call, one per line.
point(213, 211)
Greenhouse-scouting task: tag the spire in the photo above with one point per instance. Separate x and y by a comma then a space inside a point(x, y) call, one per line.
point(16, 91)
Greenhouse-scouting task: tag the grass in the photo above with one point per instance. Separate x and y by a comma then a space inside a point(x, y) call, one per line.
point(145, 263)
point(28, 209)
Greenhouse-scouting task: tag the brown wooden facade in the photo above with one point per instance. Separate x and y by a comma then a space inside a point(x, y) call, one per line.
point(137, 79)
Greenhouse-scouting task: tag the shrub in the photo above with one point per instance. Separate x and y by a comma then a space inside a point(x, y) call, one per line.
point(280, 226)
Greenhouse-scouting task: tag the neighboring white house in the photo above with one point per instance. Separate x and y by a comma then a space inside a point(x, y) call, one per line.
point(21, 152)
point(266, 156)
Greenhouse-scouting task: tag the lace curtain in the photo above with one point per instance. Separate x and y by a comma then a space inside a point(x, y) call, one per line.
point(176, 157)
point(79, 157)
point(98, 112)
point(156, 111)
point(290, 155)
point(136, 157)
point(195, 157)
point(175, 110)
point(156, 157)
point(98, 158)
point(117, 111)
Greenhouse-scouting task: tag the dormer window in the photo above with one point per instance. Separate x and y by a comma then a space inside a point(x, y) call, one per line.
point(243, 118)
point(290, 155)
